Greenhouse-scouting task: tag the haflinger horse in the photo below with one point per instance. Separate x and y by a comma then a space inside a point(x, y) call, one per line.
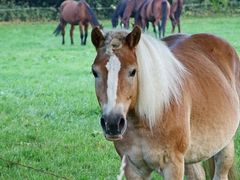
point(165, 106)
point(175, 13)
point(76, 13)
point(155, 11)
point(118, 13)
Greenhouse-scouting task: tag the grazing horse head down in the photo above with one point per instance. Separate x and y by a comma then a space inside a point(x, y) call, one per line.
point(131, 10)
point(166, 105)
point(118, 13)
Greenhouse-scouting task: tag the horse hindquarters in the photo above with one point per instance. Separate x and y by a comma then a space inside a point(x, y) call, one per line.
point(215, 101)
point(161, 10)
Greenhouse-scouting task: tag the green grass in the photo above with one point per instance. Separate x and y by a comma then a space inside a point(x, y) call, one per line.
point(49, 116)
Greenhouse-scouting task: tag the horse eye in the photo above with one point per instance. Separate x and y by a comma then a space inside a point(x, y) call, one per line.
point(132, 73)
point(94, 73)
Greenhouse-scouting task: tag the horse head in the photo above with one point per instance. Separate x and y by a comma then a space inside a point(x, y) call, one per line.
point(115, 71)
point(125, 22)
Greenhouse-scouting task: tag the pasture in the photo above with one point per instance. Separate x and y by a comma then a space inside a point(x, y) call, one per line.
point(49, 115)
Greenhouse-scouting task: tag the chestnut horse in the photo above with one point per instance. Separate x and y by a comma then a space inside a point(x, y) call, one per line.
point(165, 107)
point(175, 13)
point(76, 13)
point(155, 11)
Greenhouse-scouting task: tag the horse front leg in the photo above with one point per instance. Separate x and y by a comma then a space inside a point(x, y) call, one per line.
point(71, 33)
point(136, 173)
point(194, 172)
point(174, 169)
point(63, 32)
point(159, 29)
point(81, 32)
point(86, 34)
point(173, 26)
point(179, 26)
point(154, 24)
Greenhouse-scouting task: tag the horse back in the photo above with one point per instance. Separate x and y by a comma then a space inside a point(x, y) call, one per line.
point(73, 12)
point(216, 50)
point(68, 11)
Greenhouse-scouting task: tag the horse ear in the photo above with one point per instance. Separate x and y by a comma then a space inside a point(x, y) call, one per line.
point(97, 37)
point(133, 37)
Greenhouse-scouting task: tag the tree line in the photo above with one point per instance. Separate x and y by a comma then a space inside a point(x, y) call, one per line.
point(93, 3)
point(35, 10)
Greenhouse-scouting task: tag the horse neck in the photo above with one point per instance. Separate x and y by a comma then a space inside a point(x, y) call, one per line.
point(93, 19)
point(129, 9)
point(139, 4)
point(94, 22)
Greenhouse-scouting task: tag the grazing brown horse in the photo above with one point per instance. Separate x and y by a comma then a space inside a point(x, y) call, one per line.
point(175, 13)
point(167, 106)
point(131, 10)
point(76, 13)
point(155, 11)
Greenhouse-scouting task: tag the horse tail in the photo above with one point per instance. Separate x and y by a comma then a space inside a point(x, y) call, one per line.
point(57, 30)
point(164, 15)
point(209, 168)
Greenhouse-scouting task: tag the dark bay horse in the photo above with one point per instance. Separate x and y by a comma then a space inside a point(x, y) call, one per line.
point(76, 13)
point(118, 13)
point(155, 11)
point(131, 10)
point(167, 105)
point(175, 13)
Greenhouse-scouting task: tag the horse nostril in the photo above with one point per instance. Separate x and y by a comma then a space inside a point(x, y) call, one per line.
point(121, 123)
point(103, 124)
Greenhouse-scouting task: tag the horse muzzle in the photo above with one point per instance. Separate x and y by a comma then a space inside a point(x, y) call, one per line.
point(114, 126)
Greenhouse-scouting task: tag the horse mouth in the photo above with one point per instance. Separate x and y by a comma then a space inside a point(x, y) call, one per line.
point(114, 131)
point(114, 137)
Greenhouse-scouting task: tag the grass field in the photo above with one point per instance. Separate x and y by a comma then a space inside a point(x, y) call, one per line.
point(49, 116)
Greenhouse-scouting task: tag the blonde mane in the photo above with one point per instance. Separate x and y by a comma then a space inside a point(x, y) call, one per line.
point(160, 77)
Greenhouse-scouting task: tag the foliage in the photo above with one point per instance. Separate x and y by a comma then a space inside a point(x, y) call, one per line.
point(25, 10)
point(219, 4)
point(28, 14)
point(49, 116)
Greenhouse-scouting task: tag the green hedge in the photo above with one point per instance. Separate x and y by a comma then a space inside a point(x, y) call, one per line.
point(208, 9)
point(11, 12)
point(28, 14)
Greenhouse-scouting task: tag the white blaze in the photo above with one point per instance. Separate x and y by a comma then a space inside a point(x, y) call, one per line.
point(113, 66)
